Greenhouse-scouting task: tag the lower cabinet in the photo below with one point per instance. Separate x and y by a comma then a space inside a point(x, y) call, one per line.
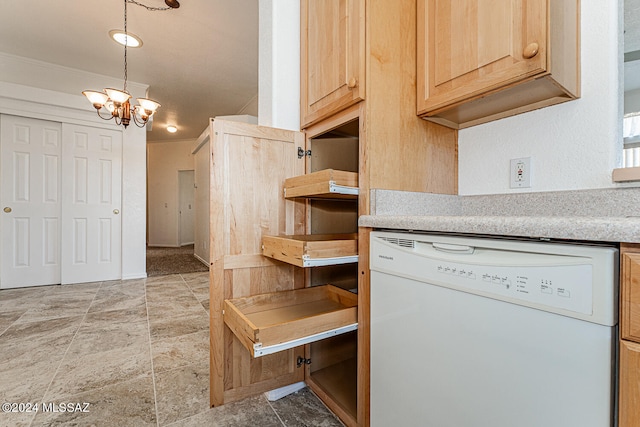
point(629, 404)
point(284, 264)
point(629, 363)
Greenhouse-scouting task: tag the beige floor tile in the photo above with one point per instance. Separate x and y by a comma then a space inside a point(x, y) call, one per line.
point(196, 280)
point(32, 342)
point(138, 313)
point(182, 392)
point(304, 409)
point(27, 383)
point(172, 278)
point(177, 306)
point(16, 419)
point(119, 297)
point(171, 353)
point(201, 293)
point(56, 305)
point(99, 337)
point(17, 298)
point(169, 327)
point(127, 403)
point(254, 411)
point(82, 374)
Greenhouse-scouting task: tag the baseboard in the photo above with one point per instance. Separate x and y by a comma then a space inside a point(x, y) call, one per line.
point(134, 276)
point(281, 392)
point(201, 260)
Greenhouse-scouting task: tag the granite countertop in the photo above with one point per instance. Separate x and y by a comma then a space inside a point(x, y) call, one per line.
point(609, 215)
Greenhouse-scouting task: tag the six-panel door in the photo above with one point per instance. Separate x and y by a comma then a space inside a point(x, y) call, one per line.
point(30, 151)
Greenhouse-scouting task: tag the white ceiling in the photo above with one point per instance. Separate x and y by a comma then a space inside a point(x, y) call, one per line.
point(199, 61)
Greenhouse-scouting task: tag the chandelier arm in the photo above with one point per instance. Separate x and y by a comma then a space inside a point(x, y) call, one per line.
point(139, 122)
point(104, 118)
point(151, 8)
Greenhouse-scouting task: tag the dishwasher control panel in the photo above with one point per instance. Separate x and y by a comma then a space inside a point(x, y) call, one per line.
point(570, 279)
point(568, 287)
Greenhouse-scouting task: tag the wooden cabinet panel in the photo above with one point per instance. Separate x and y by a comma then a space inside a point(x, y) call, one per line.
point(249, 165)
point(332, 57)
point(629, 399)
point(474, 54)
point(630, 296)
point(474, 46)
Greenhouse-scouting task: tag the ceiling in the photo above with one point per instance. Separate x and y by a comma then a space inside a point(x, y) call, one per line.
point(200, 60)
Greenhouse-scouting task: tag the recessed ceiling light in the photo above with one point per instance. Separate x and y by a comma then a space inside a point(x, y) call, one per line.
point(172, 129)
point(130, 39)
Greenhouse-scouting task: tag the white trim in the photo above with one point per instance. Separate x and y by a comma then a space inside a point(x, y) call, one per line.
point(135, 276)
point(259, 350)
point(281, 392)
point(321, 262)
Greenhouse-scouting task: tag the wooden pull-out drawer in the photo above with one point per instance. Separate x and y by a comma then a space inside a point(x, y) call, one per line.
point(312, 250)
point(324, 184)
point(276, 321)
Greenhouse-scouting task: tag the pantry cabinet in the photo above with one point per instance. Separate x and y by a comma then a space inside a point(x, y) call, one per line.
point(482, 60)
point(283, 267)
point(331, 57)
point(629, 372)
point(249, 165)
point(289, 265)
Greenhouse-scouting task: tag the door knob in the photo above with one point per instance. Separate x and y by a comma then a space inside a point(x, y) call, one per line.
point(530, 51)
point(7, 209)
point(116, 211)
point(352, 83)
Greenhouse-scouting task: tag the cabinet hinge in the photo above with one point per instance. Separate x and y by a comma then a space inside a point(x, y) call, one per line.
point(302, 361)
point(302, 153)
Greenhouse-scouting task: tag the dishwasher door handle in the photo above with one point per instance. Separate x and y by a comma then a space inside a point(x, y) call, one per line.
point(454, 249)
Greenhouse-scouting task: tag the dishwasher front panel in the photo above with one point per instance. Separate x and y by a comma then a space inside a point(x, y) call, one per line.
point(444, 357)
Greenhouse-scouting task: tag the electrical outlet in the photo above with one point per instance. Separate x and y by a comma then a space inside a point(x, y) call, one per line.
point(520, 173)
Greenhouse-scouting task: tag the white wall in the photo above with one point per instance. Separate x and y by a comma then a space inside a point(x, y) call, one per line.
point(164, 160)
point(201, 151)
point(279, 64)
point(574, 145)
point(37, 89)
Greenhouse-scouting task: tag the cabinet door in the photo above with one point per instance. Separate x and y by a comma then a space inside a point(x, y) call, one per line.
point(331, 57)
point(467, 48)
point(629, 399)
point(630, 296)
point(248, 169)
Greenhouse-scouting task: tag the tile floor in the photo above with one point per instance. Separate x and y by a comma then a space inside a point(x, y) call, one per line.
point(137, 351)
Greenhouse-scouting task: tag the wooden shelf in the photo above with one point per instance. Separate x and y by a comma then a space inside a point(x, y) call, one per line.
point(277, 321)
point(312, 250)
point(324, 184)
point(339, 384)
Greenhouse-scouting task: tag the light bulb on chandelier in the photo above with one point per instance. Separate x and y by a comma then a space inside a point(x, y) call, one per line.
point(115, 101)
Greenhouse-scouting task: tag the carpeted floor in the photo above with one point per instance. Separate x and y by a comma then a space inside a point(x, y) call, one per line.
point(163, 261)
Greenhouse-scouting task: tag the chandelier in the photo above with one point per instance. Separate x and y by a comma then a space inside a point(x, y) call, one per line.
point(115, 101)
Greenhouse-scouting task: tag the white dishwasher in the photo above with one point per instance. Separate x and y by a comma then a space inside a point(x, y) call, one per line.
point(479, 332)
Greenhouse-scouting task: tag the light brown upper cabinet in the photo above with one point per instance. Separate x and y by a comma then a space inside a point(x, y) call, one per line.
point(332, 57)
point(482, 60)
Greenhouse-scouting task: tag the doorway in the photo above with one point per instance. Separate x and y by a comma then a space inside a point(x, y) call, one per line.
point(186, 199)
point(61, 198)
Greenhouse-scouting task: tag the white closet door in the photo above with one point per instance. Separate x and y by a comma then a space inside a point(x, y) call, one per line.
point(91, 203)
point(30, 226)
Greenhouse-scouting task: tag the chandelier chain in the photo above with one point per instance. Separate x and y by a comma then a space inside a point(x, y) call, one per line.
point(151, 8)
point(125, 45)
